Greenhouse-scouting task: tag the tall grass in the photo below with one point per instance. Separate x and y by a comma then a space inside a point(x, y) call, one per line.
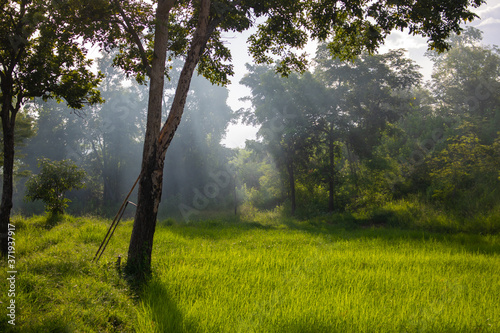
point(336, 273)
point(413, 213)
point(297, 277)
point(58, 289)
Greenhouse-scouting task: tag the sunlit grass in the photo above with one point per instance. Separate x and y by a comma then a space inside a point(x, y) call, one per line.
point(58, 289)
point(414, 213)
point(260, 275)
point(298, 278)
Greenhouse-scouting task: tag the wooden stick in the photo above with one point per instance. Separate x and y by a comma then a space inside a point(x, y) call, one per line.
point(120, 212)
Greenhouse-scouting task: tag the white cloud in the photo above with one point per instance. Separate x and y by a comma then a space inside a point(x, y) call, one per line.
point(491, 6)
point(403, 40)
point(488, 21)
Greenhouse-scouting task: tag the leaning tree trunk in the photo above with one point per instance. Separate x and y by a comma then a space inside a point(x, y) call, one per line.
point(8, 121)
point(156, 142)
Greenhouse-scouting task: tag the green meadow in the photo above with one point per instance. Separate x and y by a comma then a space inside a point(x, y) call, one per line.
point(265, 274)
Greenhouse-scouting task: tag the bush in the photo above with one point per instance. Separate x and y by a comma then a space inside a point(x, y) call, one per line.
point(53, 181)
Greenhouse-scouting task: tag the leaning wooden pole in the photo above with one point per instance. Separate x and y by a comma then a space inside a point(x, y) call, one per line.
point(119, 214)
point(117, 218)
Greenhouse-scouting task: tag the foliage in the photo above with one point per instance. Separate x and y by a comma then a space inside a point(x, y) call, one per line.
point(376, 135)
point(284, 108)
point(42, 54)
point(465, 168)
point(369, 93)
point(106, 141)
point(53, 181)
point(466, 78)
point(194, 29)
point(313, 125)
point(351, 27)
point(319, 128)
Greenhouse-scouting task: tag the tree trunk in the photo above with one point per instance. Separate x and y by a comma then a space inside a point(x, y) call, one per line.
point(291, 180)
point(150, 183)
point(156, 142)
point(331, 175)
point(352, 166)
point(235, 196)
point(8, 121)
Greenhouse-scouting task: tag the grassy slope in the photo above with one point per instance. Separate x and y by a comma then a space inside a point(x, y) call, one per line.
point(58, 289)
point(272, 276)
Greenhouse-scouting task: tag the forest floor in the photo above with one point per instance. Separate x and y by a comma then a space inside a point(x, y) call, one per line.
point(269, 274)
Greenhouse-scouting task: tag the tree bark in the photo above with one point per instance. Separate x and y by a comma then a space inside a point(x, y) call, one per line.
point(291, 180)
point(235, 196)
point(157, 141)
point(331, 175)
point(150, 183)
point(8, 121)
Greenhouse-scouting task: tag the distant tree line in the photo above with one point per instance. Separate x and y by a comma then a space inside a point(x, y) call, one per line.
point(349, 136)
point(355, 135)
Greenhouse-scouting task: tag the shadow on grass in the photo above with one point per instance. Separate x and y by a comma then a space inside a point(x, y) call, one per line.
point(337, 227)
point(160, 313)
point(53, 219)
point(378, 229)
point(56, 325)
point(215, 229)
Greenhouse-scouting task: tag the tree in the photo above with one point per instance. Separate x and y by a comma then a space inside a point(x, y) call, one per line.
point(193, 29)
point(367, 95)
point(25, 129)
point(53, 181)
point(371, 92)
point(105, 140)
point(41, 55)
point(466, 82)
point(285, 109)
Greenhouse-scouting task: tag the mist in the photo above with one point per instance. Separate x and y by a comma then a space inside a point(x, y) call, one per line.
point(106, 141)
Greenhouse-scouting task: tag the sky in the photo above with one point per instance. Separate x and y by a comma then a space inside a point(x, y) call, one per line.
point(489, 23)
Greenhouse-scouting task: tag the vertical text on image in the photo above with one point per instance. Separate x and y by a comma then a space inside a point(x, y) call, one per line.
point(11, 280)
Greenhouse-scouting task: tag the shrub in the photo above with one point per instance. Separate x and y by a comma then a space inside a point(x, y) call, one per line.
point(53, 181)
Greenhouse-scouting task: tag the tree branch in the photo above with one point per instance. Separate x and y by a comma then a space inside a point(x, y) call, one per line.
point(201, 35)
point(129, 28)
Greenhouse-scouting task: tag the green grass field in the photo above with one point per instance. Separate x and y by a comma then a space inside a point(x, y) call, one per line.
point(265, 275)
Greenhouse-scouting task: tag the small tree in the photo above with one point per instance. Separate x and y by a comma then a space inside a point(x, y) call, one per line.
point(54, 179)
